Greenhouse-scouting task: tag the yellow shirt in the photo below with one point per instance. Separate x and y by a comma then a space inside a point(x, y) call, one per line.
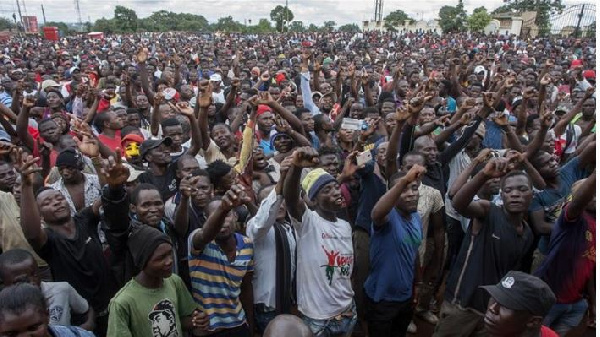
point(11, 233)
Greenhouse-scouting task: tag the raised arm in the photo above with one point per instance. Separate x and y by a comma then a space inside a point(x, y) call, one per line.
point(141, 57)
point(155, 119)
point(582, 197)
point(562, 124)
point(187, 186)
point(30, 215)
point(391, 154)
point(23, 122)
point(367, 89)
point(294, 121)
point(536, 144)
point(232, 199)
point(463, 200)
point(301, 158)
point(260, 224)
point(463, 177)
point(305, 87)
point(203, 103)
point(382, 208)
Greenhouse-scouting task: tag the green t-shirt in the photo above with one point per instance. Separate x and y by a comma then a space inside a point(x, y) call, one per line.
point(143, 312)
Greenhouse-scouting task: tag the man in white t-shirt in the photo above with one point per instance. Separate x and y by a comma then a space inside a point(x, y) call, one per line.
point(324, 255)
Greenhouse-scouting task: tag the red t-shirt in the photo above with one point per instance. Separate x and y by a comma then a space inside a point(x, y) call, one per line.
point(111, 143)
point(547, 332)
point(584, 263)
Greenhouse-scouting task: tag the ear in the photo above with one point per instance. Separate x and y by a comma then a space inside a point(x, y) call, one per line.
point(535, 322)
point(132, 208)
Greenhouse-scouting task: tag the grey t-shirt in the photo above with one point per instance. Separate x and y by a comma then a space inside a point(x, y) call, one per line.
point(63, 299)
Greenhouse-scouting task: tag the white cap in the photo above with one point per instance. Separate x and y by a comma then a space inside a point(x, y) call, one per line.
point(215, 78)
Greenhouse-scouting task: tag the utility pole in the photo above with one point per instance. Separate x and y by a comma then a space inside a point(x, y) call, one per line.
point(580, 15)
point(286, 16)
point(44, 14)
point(20, 14)
point(79, 15)
point(378, 10)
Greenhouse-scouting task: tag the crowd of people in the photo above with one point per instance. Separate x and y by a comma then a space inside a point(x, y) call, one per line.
point(298, 184)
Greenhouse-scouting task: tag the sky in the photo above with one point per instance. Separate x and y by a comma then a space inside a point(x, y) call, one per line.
point(308, 11)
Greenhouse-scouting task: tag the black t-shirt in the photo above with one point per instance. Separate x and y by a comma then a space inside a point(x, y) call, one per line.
point(80, 261)
point(485, 258)
point(166, 184)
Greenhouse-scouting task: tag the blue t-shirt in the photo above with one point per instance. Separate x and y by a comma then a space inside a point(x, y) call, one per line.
point(552, 200)
point(392, 254)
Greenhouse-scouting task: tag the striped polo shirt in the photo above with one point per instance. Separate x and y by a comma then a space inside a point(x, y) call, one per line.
point(216, 281)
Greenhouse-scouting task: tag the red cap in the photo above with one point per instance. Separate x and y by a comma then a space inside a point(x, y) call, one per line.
point(589, 74)
point(576, 63)
point(262, 109)
point(132, 137)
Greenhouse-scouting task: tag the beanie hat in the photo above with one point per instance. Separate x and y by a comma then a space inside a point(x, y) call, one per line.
point(143, 241)
point(314, 181)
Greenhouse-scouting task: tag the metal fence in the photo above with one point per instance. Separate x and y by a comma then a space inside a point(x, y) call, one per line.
point(573, 20)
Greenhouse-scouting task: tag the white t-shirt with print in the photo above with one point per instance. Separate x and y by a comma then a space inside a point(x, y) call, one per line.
point(324, 265)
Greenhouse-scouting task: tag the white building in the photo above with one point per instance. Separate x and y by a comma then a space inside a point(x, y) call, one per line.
point(409, 25)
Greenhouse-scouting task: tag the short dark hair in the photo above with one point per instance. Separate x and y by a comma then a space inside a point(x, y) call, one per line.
point(135, 194)
point(217, 170)
point(45, 121)
point(301, 111)
point(394, 178)
point(20, 297)
point(515, 173)
point(326, 150)
point(12, 257)
point(413, 154)
point(128, 129)
point(101, 119)
point(170, 122)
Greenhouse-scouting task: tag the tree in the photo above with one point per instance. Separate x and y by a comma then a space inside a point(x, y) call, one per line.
point(296, 26)
point(329, 25)
point(479, 19)
point(264, 26)
point(395, 19)
point(543, 9)
point(453, 18)
point(282, 16)
point(104, 25)
point(313, 28)
point(126, 20)
point(227, 24)
point(6, 24)
point(58, 24)
point(350, 28)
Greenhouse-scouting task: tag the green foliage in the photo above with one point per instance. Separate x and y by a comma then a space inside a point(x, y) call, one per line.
point(104, 25)
point(329, 25)
point(453, 18)
point(296, 26)
point(479, 20)
point(125, 19)
point(227, 24)
point(313, 28)
point(282, 17)
point(395, 19)
point(58, 24)
point(6, 24)
point(543, 9)
point(166, 21)
point(350, 28)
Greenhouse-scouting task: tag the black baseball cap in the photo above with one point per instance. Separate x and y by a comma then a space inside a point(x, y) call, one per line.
point(150, 144)
point(523, 292)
